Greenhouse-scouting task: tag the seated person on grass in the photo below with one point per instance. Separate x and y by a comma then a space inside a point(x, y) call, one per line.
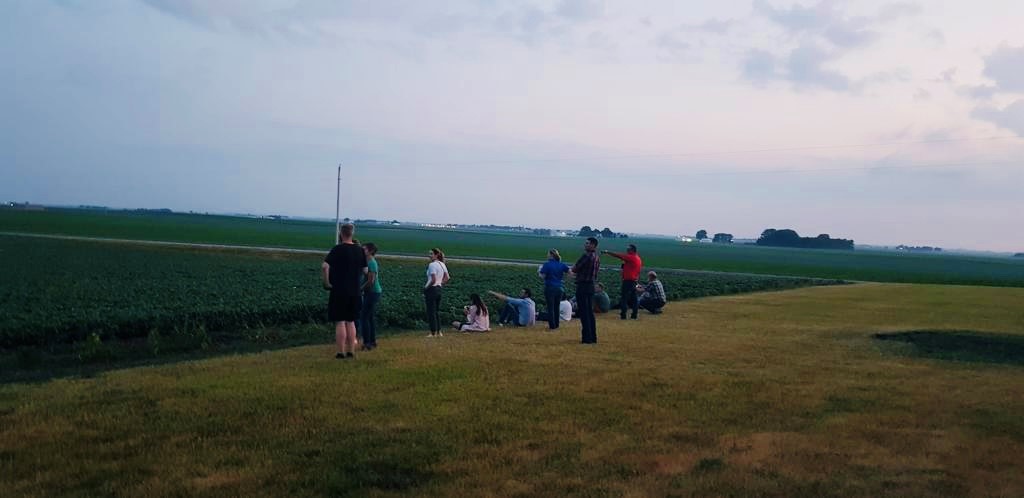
point(477, 318)
point(520, 312)
point(653, 298)
point(565, 311)
point(602, 303)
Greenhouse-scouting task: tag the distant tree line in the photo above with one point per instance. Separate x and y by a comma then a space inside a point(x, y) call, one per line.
point(789, 238)
point(719, 238)
point(902, 247)
point(607, 233)
point(1019, 255)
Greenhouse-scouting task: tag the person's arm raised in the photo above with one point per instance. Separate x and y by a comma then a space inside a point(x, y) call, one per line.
point(614, 255)
point(498, 295)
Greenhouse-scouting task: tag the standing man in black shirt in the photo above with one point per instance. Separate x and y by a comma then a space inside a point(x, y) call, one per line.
point(586, 269)
point(343, 271)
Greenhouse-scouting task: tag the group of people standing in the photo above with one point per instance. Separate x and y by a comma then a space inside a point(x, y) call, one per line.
point(352, 275)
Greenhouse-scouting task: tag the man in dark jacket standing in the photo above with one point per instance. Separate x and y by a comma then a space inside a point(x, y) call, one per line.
point(586, 269)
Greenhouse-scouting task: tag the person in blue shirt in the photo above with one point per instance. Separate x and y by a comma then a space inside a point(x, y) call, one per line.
point(521, 312)
point(552, 273)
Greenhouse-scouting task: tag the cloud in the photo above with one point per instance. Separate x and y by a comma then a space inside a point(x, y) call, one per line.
point(676, 44)
point(803, 67)
point(936, 38)
point(921, 94)
point(760, 67)
point(1010, 117)
point(897, 10)
point(946, 76)
point(1005, 67)
point(581, 10)
point(714, 25)
point(797, 18)
point(246, 16)
point(823, 33)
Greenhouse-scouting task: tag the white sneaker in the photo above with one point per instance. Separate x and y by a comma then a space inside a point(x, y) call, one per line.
point(439, 334)
point(430, 336)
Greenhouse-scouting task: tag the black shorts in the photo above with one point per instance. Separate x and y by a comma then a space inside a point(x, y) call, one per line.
point(342, 308)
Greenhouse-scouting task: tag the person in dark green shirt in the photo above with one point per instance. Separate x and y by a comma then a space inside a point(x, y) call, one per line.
point(371, 298)
point(602, 303)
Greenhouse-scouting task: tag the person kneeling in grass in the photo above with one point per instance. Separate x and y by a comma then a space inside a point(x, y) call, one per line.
point(477, 317)
point(653, 298)
point(521, 312)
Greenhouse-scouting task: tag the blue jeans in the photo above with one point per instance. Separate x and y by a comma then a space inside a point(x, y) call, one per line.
point(553, 296)
point(510, 315)
point(368, 318)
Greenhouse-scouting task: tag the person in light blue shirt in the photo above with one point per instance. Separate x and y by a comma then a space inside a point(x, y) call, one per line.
point(552, 273)
point(521, 312)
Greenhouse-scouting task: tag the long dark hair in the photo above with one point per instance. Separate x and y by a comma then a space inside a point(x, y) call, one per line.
point(479, 303)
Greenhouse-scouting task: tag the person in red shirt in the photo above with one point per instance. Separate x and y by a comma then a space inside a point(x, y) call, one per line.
point(631, 265)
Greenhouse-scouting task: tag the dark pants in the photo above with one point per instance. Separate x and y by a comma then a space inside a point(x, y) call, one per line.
point(432, 296)
point(585, 301)
point(368, 318)
point(652, 305)
point(628, 299)
point(553, 296)
point(509, 314)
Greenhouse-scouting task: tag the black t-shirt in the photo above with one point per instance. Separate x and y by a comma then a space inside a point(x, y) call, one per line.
point(347, 262)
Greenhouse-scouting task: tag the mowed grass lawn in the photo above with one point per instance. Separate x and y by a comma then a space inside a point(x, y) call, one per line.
point(771, 394)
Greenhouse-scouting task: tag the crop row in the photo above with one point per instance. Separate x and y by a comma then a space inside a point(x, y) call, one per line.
point(59, 291)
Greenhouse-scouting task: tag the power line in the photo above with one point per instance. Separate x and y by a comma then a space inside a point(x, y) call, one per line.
point(694, 154)
point(677, 174)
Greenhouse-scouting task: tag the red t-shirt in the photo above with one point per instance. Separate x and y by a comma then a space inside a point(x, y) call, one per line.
point(631, 265)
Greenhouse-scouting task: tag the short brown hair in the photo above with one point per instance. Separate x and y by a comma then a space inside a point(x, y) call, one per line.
point(347, 231)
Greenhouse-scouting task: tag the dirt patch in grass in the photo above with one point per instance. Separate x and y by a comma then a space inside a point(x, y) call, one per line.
point(959, 345)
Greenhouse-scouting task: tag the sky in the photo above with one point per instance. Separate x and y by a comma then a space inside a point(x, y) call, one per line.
point(888, 122)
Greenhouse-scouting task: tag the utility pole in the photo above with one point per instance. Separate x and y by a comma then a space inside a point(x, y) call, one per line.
point(337, 209)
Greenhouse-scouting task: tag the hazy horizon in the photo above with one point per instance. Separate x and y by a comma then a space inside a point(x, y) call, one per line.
point(886, 122)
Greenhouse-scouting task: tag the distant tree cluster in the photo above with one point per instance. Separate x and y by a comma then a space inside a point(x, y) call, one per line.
point(1019, 255)
point(789, 238)
point(607, 233)
point(902, 247)
point(719, 238)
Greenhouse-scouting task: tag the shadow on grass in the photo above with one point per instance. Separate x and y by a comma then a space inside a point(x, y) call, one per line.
point(960, 345)
point(80, 360)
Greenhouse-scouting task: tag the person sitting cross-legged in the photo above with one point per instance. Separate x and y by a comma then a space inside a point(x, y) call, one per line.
point(653, 298)
point(477, 319)
point(519, 312)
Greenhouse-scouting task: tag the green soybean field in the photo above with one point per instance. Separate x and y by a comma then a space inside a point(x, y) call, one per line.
point(62, 291)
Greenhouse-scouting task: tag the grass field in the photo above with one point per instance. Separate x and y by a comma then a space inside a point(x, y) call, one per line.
point(849, 265)
point(773, 394)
